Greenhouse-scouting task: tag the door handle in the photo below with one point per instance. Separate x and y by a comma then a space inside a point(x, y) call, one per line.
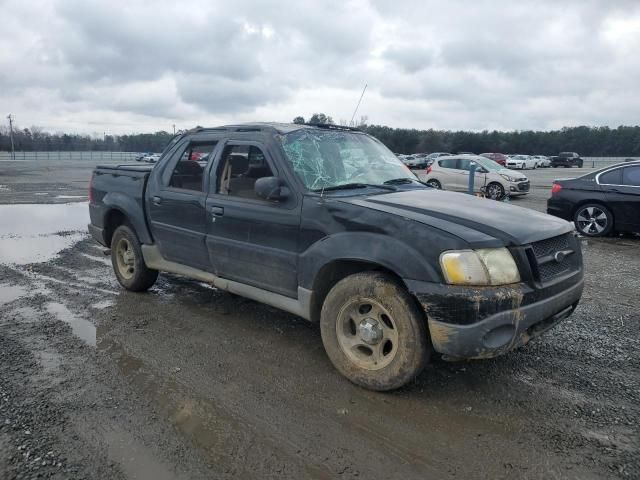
point(156, 200)
point(217, 211)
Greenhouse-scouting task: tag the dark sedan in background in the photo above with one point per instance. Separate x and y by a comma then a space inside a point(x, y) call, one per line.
point(600, 202)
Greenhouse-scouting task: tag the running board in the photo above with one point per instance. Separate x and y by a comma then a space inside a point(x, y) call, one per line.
point(300, 306)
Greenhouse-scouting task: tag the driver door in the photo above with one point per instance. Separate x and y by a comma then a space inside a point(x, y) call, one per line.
point(251, 240)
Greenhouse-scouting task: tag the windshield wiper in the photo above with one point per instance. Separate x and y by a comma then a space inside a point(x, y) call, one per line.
point(348, 186)
point(402, 181)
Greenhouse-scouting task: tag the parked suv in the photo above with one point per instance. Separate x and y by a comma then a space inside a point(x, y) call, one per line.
point(452, 173)
point(326, 223)
point(567, 160)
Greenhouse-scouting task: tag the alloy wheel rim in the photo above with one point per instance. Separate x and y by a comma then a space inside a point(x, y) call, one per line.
point(367, 334)
point(495, 192)
point(592, 220)
point(125, 259)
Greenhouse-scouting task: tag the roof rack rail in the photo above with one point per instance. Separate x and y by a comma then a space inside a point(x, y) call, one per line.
point(332, 126)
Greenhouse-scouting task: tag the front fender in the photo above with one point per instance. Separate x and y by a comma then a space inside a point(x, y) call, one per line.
point(389, 252)
point(132, 209)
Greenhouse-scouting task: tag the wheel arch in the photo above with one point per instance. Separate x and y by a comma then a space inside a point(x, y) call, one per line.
point(123, 209)
point(334, 271)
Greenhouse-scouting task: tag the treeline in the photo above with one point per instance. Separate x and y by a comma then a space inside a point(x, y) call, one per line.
point(35, 139)
point(587, 141)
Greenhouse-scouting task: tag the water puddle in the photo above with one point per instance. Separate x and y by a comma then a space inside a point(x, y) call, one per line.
point(9, 293)
point(83, 329)
point(31, 233)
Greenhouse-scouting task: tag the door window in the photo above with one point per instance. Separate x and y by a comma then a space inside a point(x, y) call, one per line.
point(631, 176)
point(612, 177)
point(449, 163)
point(240, 167)
point(465, 164)
point(188, 174)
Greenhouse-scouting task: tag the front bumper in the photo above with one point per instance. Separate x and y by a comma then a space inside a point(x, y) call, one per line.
point(504, 321)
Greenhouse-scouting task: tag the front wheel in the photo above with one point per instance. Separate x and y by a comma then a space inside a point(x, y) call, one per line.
point(128, 263)
point(434, 183)
point(374, 332)
point(593, 220)
point(495, 191)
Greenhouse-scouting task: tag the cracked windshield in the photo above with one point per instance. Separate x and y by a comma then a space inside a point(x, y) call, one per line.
point(328, 159)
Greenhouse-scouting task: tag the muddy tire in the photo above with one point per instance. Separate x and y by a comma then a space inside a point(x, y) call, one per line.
point(128, 263)
point(374, 332)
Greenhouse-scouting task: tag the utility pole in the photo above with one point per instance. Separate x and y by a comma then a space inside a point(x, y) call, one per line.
point(13, 150)
point(174, 128)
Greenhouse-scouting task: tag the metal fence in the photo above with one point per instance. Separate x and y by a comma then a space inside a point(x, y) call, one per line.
point(89, 155)
point(596, 162)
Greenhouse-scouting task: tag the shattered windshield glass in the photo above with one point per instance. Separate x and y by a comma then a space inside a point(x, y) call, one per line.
point(326, 159)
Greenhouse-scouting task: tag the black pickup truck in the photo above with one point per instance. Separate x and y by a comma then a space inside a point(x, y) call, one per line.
point(325, 222)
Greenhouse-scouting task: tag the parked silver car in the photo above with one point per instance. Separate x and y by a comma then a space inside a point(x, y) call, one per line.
point(452, 173)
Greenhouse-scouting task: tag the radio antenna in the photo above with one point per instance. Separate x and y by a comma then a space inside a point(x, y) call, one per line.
point(358, 105)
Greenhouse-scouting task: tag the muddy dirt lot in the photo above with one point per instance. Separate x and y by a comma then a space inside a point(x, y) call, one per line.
point(186, 381)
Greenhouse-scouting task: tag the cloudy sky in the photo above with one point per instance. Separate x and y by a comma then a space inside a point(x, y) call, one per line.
point(123, 66)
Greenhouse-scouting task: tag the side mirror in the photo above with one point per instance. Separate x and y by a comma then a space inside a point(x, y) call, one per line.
point(482, 170)
point(271, 188)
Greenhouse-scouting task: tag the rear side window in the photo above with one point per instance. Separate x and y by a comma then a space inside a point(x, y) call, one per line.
point(631, 176)
point(448, 163)
point(612, 177)
point(188, 173)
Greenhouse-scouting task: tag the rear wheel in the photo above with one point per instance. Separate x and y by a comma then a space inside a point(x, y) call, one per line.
point(593, 220)
point(128, 263)
point(373, 331)
point(434, 183)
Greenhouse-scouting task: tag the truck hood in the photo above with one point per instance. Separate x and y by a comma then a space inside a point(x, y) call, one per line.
point(480, 222)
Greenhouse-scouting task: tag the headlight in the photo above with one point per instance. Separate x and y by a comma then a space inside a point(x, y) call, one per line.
point(486, 266)
point(508, 178)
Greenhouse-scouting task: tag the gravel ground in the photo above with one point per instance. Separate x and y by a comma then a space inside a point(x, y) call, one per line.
point(186, 381)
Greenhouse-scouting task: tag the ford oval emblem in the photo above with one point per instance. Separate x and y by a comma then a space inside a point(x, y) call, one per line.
point(559, 256)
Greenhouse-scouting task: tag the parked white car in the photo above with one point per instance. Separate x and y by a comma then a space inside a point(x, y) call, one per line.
point(543, 162)
point(452, 173)
point(521, 162)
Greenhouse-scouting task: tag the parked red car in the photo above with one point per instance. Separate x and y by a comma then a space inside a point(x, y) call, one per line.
point(499, 158)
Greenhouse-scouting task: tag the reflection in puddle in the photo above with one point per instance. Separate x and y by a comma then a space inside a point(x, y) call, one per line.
point(83, 329)
point(9, 293)
point(32, 233)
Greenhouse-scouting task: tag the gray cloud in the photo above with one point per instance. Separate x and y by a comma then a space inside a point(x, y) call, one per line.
point(460, 65)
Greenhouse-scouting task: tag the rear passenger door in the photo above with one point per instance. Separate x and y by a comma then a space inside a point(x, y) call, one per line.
point(623, 196)
point(251, 240)
point(176, 197)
